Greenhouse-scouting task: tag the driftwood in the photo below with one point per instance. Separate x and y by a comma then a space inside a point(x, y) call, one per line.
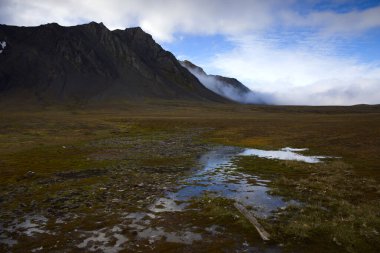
point(264, 234)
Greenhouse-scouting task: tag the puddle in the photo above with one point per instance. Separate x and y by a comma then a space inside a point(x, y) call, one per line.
point(140, 223)
point(283, 154)
point(104, 240)
point(169, 204)
point(219, 176)
point(30, 225)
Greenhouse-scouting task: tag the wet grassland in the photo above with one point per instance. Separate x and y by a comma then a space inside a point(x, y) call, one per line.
point(163, 177)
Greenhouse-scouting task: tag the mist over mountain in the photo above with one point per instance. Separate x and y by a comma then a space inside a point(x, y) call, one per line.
point(227, 87)
point(89, 62)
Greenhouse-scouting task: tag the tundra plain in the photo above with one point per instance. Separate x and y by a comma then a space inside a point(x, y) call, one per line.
point(78, 177)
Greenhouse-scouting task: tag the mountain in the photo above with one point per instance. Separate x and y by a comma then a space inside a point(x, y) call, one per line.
point(225, 86)
point(89, 62)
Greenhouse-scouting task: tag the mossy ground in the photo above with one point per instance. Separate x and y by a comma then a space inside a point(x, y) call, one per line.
point(339, 211)
point(85, 160)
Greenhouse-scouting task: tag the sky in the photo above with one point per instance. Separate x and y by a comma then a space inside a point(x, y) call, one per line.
point(295, 52)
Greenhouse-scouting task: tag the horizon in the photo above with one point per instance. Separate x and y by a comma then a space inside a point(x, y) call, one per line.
point(296, 53)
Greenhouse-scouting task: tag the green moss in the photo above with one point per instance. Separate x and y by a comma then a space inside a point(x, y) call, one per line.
point(338, 209)
point(46, 160)
point(218, 210)
point(271, 168)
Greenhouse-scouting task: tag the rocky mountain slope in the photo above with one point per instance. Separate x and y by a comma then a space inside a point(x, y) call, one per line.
point(90, 62)
point(224, 86)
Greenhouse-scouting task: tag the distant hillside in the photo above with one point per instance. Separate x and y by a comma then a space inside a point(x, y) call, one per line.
point(225, 86)
point(90, 62)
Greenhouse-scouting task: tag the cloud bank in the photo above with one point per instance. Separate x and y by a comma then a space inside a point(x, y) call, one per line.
point(161, 18)
point(300, 74)
point(164, 18)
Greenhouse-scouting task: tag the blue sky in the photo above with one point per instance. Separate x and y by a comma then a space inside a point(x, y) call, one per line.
point(200, 49)
point(299, 52)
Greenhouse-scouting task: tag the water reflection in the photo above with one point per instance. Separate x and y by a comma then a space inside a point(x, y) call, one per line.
point(219, 176)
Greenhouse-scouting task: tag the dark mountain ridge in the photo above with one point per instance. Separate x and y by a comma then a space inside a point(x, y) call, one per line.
point(89, 62)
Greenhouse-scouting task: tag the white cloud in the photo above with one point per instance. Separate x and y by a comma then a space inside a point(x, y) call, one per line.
point(161, 18)
point(331, 23)
point(297, 75)
point(164, 18)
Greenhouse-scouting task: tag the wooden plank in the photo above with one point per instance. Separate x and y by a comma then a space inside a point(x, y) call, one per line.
point(260, 229)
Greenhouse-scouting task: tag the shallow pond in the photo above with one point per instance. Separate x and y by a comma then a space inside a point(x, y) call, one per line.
point(218, 176)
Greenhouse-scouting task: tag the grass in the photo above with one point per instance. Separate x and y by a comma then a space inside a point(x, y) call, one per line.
point(341, 199)
point(338, 209)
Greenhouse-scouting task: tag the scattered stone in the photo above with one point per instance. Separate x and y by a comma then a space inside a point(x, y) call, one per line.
point(30, 173)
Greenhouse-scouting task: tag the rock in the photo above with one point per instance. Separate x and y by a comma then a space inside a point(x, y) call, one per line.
point(30, 174)
point(152, 216)
point(115, 201)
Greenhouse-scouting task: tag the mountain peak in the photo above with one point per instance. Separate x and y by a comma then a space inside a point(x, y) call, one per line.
point(88, 61)
point(93, 23)
point(94, 26)
point(136, 29)
point(138, 33)
point(189, 65)
point(50, 25)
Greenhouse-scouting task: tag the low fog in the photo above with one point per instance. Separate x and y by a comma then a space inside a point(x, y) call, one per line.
point(324, 93)
point(307, 72)
point(226, 90)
